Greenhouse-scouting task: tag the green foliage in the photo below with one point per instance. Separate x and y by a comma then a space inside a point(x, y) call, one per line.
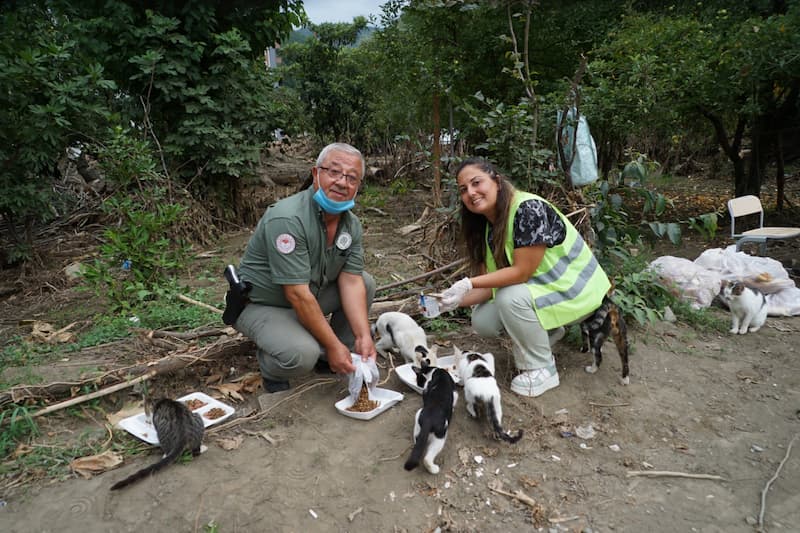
point(509, 132)
point(137, 260)
point(51, 94)
point(125, 159)
point(441, 324)
point(17, 426)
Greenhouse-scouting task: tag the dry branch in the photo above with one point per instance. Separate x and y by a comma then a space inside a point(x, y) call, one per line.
point(667, 473)
point(225, 347)
point(422, 276)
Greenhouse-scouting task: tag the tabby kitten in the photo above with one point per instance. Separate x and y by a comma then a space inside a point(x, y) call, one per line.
point(178, 429)
point(480, 388)
point(439, 396)
point(607, 319)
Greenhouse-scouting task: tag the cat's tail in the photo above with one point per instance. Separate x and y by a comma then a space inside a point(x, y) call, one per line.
point(419, 445)
point(498, 428)
point(146, 471)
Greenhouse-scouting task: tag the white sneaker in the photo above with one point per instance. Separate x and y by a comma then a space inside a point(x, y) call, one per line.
point(535, 382)
point(556, 335)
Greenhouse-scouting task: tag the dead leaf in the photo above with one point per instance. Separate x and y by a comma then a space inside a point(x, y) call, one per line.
point(95, 464)
point(230, 443)
point(251, 382)
point(230, 390)
point(22, 449)
point(127, 410)
point(214, 378)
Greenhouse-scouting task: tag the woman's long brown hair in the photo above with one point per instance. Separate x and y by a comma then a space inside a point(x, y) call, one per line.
point(473, 226)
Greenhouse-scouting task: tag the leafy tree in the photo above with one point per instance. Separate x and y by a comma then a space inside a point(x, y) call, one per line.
point(332, 86)
point(51, 96)
point(739, 75)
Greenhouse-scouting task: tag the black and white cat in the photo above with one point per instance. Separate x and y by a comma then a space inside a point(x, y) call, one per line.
point(432, 421)
point(595, 329)
point(178, 429)
point(480, 389)
point(748, 307)
point(401, 331)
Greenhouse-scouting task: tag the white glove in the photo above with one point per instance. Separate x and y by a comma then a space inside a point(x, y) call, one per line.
point(453, 296)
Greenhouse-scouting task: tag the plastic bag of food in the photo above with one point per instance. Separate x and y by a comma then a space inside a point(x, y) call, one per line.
point(366, 373)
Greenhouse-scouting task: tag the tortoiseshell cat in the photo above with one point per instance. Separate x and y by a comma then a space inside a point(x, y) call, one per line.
point(607, 319)
point(178, 429)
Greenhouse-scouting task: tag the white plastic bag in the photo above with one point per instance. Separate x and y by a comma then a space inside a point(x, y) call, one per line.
point(365, 372)
point(694, 283)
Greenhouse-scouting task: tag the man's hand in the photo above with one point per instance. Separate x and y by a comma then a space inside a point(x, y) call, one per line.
point(340, 360)
point(365, 347)
point(453, 296)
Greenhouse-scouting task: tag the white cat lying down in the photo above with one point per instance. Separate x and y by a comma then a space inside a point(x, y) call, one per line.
point(398, 330)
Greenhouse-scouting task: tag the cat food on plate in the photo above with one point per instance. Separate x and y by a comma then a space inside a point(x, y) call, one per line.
point(363, 403)
point(211, 411)
point(385, 398)
point(195, 403)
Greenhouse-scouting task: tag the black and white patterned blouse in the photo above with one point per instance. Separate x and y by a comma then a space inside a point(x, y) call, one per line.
point(536, 222)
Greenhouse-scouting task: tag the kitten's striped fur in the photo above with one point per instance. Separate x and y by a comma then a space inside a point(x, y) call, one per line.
point(178, 429)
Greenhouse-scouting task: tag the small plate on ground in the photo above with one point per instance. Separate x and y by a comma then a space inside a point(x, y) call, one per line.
point(385, 398)
point(407, 375)
point(138, 426)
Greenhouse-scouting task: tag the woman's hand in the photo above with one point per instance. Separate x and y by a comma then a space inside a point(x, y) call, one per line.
point(452, 297)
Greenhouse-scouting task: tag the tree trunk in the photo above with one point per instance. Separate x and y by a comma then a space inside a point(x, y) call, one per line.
point(779, 169)
point(437, 153)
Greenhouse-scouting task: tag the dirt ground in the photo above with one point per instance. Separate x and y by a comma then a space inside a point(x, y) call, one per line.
point(707, 404)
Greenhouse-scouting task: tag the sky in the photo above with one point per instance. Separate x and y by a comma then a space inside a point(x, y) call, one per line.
point(320, 11)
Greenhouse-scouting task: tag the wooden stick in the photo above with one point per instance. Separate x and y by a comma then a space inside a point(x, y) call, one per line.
point(667, 473)
point(422, 276)
point(517, 495)
point(199, 304)
point(773, 478)
point(596, 404)
point(91, 396)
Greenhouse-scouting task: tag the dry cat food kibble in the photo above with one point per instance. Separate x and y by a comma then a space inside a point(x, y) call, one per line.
point(363, 404)
point(195, 403)
point(214, 413)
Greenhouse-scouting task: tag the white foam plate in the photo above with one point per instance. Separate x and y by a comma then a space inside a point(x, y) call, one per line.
point(407, 375)
point(385, 397)
point(138, 426)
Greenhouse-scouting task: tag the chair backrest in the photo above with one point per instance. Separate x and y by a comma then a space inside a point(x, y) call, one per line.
point(742, 206)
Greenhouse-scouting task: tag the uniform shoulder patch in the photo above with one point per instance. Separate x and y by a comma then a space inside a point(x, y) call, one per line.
point(285, 243)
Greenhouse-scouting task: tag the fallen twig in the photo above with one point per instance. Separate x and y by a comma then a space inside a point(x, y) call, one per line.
point(91, 396)
point(667, 473)
point(398, 456)
point(596, 404)
point(422, 276)
point(517, 495)
point(199, 304)
point(771, 480)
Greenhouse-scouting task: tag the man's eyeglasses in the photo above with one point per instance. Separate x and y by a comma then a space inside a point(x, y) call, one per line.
point(336, 174)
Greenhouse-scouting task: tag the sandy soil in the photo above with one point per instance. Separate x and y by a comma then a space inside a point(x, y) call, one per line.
point(698, 403)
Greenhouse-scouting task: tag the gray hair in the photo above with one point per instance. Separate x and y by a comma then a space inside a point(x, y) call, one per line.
point(342, 147)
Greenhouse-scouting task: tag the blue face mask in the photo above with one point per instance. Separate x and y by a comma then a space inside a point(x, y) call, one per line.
point(332, 207)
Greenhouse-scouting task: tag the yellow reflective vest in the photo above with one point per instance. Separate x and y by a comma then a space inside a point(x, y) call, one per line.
point(569, 283)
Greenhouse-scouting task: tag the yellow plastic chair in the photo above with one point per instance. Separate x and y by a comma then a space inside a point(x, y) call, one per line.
point(749, 205)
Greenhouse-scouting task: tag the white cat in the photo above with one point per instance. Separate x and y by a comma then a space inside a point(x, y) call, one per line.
point(480, 388)
point(401, 331)
point(748, 307)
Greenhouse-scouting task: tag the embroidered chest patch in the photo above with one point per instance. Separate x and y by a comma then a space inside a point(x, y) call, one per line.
point(344, 240)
